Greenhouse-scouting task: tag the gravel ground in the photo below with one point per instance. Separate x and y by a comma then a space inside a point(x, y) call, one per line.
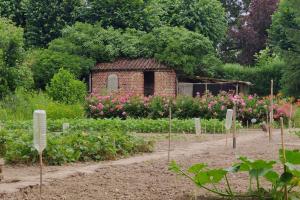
point(150, 179)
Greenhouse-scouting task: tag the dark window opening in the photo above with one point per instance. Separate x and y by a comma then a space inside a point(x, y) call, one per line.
point(148, 83)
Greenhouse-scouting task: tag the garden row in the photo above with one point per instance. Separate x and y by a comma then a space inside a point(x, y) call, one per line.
point(206, 106)
point(129, 125)
point(16, 146)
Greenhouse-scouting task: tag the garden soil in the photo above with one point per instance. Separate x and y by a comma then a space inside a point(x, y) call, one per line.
point(143, 176)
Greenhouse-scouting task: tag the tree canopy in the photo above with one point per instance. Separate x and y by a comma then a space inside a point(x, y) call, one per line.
point(11, 55)
point(46, 18)
point(206, 17)
point(285, 39)
point(180, 48)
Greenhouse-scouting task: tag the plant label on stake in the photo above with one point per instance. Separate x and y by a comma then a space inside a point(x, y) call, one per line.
point(39, 138)
point(197, 126)
point(228, 121)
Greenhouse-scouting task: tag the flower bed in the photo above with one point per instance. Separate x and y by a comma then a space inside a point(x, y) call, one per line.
point(206, 106)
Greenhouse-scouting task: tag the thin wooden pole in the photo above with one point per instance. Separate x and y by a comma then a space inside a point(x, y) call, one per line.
point(234, 120)
point(290, 117)
point(170, 129)
point(271, 112)
point(41, 173)
point(1, 169)
point(284, 156)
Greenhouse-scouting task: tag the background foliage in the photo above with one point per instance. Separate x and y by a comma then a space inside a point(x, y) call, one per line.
point(285, 38)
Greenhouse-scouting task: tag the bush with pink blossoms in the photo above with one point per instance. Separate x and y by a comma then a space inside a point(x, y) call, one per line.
point(206, 106)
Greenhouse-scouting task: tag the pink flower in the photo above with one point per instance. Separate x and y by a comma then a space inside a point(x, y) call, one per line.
point(222, 107)
point(124, 113)
point(250, 97)
point(100, 106)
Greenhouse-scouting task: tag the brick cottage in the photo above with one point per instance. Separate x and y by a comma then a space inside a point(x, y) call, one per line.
point(140, 76)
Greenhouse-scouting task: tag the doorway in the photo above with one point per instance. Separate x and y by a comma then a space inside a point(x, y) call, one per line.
point(148, 83)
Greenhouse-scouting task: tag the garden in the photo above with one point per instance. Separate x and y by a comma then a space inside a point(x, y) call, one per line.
point(62, 139)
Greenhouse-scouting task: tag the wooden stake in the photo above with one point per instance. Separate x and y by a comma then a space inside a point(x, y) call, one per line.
point(226, 133)
point(234, 120)
point(284, 156)
point(170, 129)
point(290, 117)
point(271, 113)
point(1, 169)
point(41, 173)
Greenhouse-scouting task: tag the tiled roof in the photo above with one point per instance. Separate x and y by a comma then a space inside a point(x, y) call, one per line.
point(133, 64)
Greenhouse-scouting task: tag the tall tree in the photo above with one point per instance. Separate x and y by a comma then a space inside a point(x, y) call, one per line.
point(203, 16)
point(251, 34)
point(11, 50)
point(285, 39)
point(115, 13)
point(14, 10)
point(234, 9)
point(46, 19)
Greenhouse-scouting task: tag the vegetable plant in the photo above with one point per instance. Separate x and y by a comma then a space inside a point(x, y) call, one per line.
point(281, 185)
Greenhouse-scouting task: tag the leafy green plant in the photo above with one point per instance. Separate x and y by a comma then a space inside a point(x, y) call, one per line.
point(64, 88)
point(130, 125)
point(16, 146)
point(280, 184)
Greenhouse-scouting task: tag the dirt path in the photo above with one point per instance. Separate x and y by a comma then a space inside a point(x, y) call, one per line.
point(145, 176)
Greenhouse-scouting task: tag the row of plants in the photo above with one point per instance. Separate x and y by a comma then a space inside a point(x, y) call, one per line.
point(16, 146)
point(130, 125)
point(204, 106)
point(280, 185)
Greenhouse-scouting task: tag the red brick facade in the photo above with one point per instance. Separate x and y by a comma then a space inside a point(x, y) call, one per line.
point(131, 77)
point(133, 81)
point(165, 83)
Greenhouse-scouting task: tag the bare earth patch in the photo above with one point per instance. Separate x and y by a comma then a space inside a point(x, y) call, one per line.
point(143, 176)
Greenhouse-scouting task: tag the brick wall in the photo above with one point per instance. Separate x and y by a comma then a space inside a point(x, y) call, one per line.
point(165, 83)
point(130, 81)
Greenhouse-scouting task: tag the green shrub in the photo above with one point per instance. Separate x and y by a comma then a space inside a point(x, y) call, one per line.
point(45, 63)
point(70, 147)
point(260, 76)
point(21, 104)
point(64, 88)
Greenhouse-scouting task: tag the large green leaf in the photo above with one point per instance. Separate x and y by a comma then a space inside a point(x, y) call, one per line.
point(195, 169)
point(201, 178)
point(210, 176)
point(292, 156)
point(272, 176)
point(216, 175)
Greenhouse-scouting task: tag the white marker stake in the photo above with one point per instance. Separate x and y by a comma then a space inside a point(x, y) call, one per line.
point(228, 121)
point(39, 138)
point(66, 126)
point(197, 126)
